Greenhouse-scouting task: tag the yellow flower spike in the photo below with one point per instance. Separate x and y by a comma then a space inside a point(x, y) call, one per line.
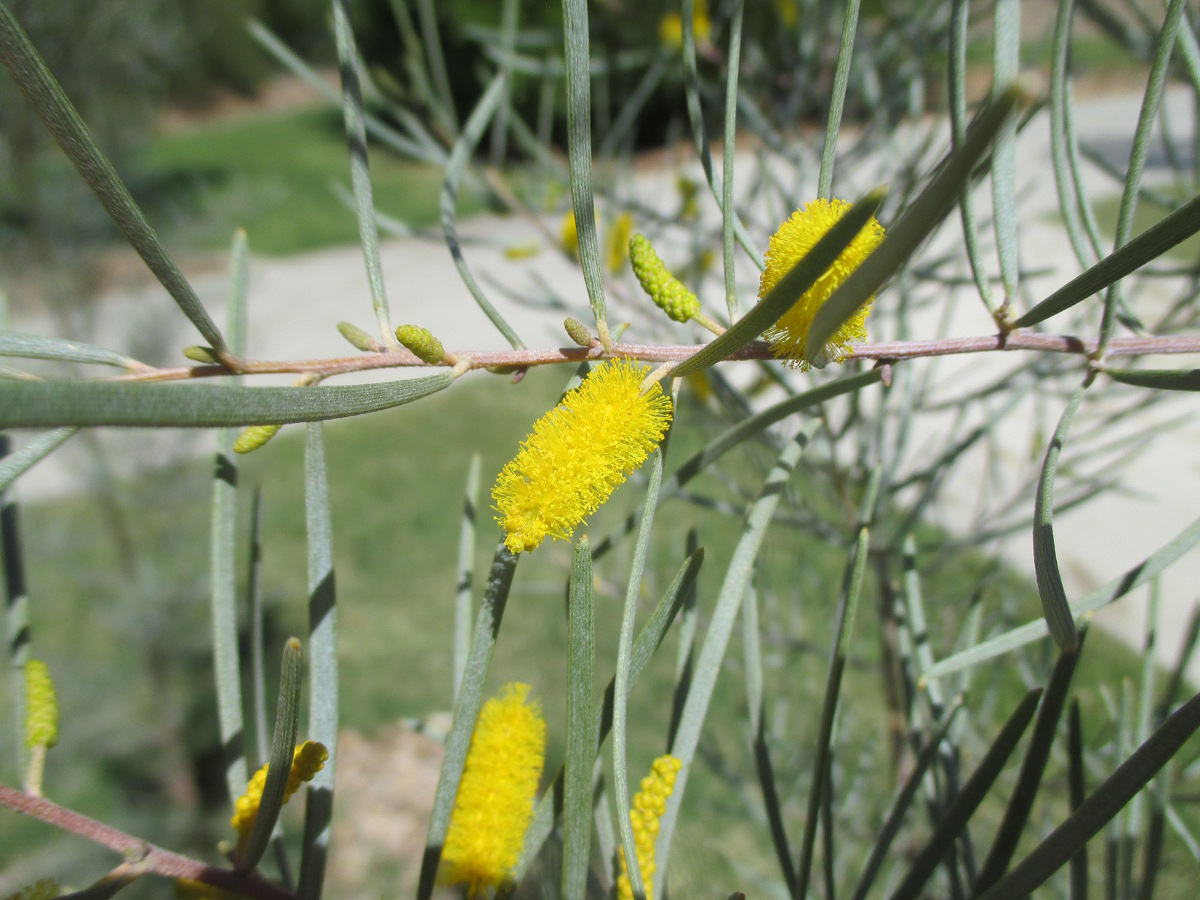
point(649, 804)
point(568, 234)
point(618, 242)
point(422, 343)
point(794, 239)
point(578, 453)
point(307, 760)
point(670, 27)
point(667, 291)
point(41, 706)
point(495, 796)
point(254, 437)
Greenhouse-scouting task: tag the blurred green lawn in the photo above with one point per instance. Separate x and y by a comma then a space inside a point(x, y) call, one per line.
point(274, 175)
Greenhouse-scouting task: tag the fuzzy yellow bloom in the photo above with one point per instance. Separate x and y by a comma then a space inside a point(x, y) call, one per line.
point(307, 760)
point(649, 804)
point(568, 234)
point(794, 239)
point(670, 26)
point(578, 453)
point(495, 796)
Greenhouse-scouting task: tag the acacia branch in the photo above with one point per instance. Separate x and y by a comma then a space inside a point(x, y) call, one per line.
point(885, 351)
point(147, 857)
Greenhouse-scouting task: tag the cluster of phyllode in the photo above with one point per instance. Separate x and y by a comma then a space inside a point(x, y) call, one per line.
point(307, 760)
point(791, 243)
point(495, 796)
point(668, 292)
point(649, 804)
point(579, 452)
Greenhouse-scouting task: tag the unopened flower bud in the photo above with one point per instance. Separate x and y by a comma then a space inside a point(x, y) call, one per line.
point(359, 338)
point(254, 437)
point(422, 343)
point(199, 354)
point(41, 706)
point(667, 291)
point(578, 332)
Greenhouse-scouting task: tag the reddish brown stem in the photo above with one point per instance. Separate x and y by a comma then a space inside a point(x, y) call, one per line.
point(147, 856)
point(512, 359)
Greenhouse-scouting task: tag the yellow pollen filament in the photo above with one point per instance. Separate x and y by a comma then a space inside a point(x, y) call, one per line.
point(495, 796)
point(578, 453)
point(794, 239)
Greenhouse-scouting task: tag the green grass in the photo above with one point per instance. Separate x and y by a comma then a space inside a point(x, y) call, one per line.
point(124, 628)
point(274, 176)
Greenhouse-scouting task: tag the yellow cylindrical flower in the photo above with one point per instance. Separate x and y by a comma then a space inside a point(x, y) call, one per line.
point(794, 239)
point(578, 453)
point(307, 760)
point(649, 804)
point(617, 249)
point(495, 796)
point(254, 437)
point(41, 706)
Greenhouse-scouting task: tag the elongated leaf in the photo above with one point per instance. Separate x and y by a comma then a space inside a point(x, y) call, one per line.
point(1101, 806)
point(784, 295)
point(360, 178)
point(964, 805)
point(1133, 578)
point(1162, 379)
point(1055, 607)
point(579, 153)
point(466, 710)
point(1076, 792)
point(460, 156)
point(1006, 60)
point(33, 346)
point(1033, 766)
point(46, 96)
point(44, 405)
point(902, 803)
point(837, 102)
point(279, 764)
point(223, 612)
point(464, 584)
point(819, 784)
point(716, 639)
point(728, 141)
point(581, 724)
point(1172, 229)
point(648, 641)
point(621, 678)
point(323, 698)
point(917, 222)
point(14, 465)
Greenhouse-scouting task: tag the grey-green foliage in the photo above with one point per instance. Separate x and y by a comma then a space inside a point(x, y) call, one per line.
point(829, 503)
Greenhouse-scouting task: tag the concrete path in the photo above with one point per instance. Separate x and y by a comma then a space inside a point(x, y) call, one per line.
point(296, 304)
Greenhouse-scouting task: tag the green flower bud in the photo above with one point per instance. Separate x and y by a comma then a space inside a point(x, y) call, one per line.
point(200, 354)
point(359, 338)
point(578, 332)
point(254, 437)
point(41, 706)
point(667, 291)
point(422, 343)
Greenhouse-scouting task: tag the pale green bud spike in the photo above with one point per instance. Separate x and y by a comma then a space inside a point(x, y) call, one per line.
point(578, 332)
point(41, 706)
point(254, 437)
point(668, 292)
point(359, 338)
point(422, 343)
point(199, 354)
